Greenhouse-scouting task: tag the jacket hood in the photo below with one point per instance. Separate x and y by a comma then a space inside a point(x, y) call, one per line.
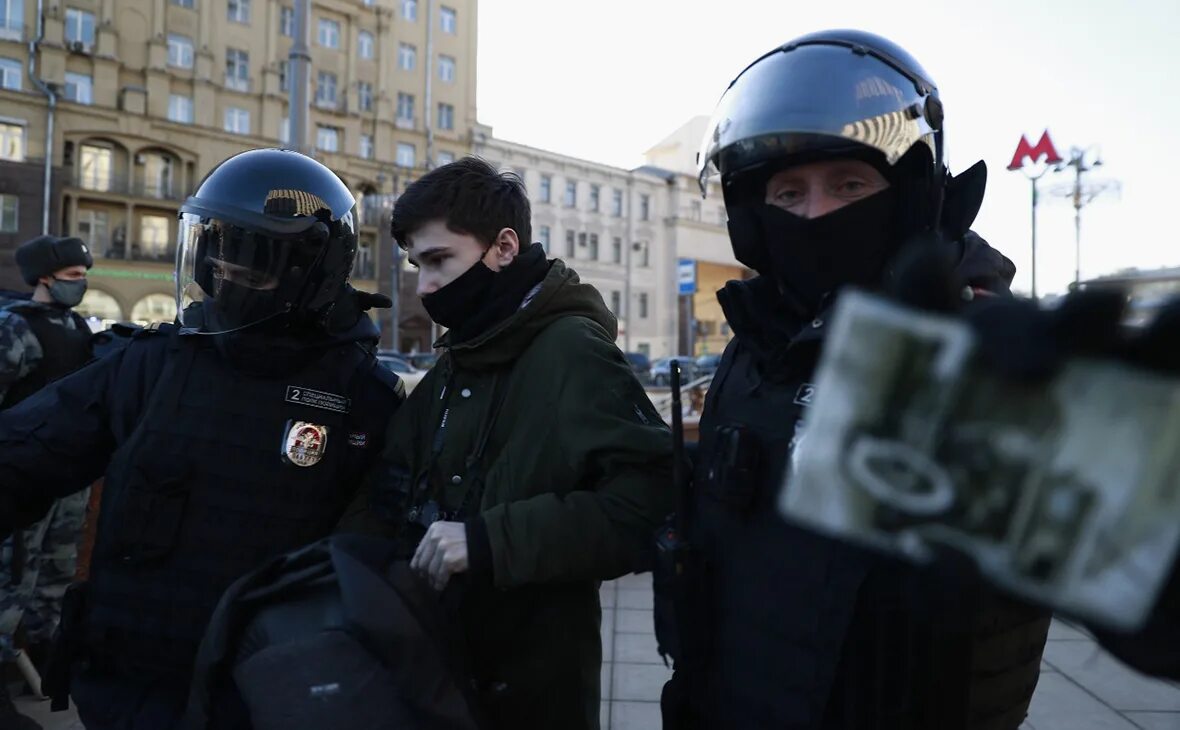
point(560, 294)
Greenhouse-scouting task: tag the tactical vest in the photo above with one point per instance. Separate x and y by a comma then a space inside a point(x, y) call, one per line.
point(63, 350)
point(224, 471)
point(807, 632)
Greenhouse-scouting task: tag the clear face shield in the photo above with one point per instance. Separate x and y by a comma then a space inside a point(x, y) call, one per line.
point(247, 275)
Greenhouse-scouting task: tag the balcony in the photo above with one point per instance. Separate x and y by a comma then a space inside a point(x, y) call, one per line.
point(124, 185)
point(116, 249)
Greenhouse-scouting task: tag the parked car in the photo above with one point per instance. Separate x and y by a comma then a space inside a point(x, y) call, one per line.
point(401, 366)
point(640, 364)
point(661, 370)
point(707, 364)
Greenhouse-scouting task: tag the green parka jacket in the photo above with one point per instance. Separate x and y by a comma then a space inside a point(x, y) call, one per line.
point(576, 477)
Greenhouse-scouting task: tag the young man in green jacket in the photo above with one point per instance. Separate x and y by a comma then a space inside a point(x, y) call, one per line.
point(529, 464)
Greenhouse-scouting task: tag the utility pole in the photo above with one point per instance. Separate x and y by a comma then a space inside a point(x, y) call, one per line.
point(299, 69)
point(1081, 192)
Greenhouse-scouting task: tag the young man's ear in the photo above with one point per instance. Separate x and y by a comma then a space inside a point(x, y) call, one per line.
point(506, 247)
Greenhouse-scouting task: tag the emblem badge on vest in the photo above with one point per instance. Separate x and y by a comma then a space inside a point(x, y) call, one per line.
point(305, 443)
point(805, 394)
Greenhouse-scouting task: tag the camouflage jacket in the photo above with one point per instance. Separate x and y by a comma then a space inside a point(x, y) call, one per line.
point(20, 351)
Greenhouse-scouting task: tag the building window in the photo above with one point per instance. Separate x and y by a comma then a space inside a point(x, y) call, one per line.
point(153, 236)
point(407, 56)
point(616, 250)
point(79, 27)
point(570, 245)
point(180, 51)
point(643, 306)
point(447, 20)
point(287, 21)
point(644, 254)
point(446, 116)
point(593, 246)
point(329, 35)
point(327, 139)
point(446, 69)
point(285, 130)
point(594, 198)
point(79, 88)
point(12, 142)
point(694, 210)
point(237, 69)
point(94, 228)
point(9, 209)
point(616, 301)
point(364, 45)
point(366, 146)
point(582, 240)
point(95, 167)
point(571, 194)
point(445, 158)
point(545, 235)
point(11, 19)
point(190, 4)
point(410, 9)
point(546, 188)
point(284, 76)
point(10, 72)
point(237, 120)
point(405, 107)
point(405, 154)
point(157, 176)
point(180, 109)
point(238, 11)
point(325, 89)
point(364, 96)
point(616, 203)
point(644, 207)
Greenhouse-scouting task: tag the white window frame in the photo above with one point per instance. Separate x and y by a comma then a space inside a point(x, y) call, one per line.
point(365, 146)
point(407, 56)
point(445, 158)
point(96, 182)
point(546, 188)
point(158, 247)
point(616, 203)
point(325, 81)
point(11, 72)
point(410, 10)
point(82, 85)
point(180, 107)
point(284, 76)
point(364, 45)
point(323, 134)
point(12, 138)
point(238, 11)
point(76, 24)
point(364, 96)
point(407, 155)
point(446, 69)
point(237, 76)
point(405, 107)
point(237, 120)
point(446, 116)
point(7, 226)
point(448, 20)
point(14, 20)
point(328, 33)
point(287, 21)
point(180, 51)
point(570, 197)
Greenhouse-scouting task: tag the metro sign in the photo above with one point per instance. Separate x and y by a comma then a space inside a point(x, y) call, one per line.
point(1033, 154)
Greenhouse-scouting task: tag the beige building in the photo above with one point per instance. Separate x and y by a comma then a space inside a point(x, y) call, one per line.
point(624, 231)
point(153, 93)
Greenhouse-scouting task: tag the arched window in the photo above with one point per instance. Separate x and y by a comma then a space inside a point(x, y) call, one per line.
point(154, 308)
point(99, 305)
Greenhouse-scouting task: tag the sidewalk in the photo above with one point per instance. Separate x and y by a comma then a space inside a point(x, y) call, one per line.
point(1081, 687)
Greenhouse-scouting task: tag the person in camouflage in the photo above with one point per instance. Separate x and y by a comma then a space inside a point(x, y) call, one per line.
point(41, 340)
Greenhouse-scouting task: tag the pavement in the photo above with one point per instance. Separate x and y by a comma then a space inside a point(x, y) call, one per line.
point(1081, 686)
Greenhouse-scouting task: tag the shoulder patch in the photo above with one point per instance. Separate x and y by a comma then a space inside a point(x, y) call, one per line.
point(388, 379)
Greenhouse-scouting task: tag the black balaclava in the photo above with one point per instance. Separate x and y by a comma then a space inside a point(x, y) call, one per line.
point(810, 260)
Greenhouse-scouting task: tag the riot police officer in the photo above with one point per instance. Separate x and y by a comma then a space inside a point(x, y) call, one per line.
point(831, 154)
point(237, 434)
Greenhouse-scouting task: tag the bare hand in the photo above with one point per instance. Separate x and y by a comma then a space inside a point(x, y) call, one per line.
point(441, 554)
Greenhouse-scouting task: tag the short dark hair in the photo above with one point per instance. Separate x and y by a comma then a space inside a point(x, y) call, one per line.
point(471, 197)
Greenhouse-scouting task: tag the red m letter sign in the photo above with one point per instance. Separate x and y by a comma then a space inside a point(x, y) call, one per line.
point(1025, 151)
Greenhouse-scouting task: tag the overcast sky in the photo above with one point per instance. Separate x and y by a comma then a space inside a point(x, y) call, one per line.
point(606, 80)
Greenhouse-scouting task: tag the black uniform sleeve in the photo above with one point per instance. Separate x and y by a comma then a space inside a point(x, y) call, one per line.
point(58, 441)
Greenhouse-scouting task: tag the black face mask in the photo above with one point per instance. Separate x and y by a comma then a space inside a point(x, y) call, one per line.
point(460, 300)
point(810, 258)
point(67, 292)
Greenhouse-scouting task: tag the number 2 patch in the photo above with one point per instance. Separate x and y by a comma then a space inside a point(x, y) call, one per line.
point(805, 394)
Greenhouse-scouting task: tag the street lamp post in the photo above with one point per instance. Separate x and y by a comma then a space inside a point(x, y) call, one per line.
point(1081, 193)
point(1027, 160)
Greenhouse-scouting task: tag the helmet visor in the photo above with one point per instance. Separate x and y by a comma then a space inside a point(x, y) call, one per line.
point(815, 98)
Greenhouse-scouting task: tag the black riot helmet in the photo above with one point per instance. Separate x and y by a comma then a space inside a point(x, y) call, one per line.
point(270, 235)
point(826, 95)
